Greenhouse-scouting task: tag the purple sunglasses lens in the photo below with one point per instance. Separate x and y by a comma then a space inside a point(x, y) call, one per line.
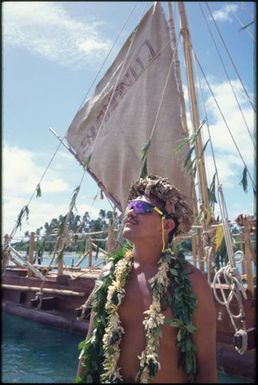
point(141, 207)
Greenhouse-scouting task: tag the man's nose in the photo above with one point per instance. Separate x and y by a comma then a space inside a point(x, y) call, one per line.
point(130, 213)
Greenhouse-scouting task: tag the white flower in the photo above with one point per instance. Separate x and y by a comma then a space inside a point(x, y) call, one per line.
point(117, 375)
point(110, 364)
point(149, 323)
point(153, 357)
point(142, 358)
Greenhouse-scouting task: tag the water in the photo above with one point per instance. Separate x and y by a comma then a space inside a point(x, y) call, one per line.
point(70, 259)
point(35, 353)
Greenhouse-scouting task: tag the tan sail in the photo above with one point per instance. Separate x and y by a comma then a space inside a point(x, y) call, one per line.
point(137, 100)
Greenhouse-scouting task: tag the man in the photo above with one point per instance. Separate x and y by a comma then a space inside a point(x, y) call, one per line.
point(159, 322)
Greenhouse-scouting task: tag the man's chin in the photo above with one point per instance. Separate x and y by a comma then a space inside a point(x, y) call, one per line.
point(127, 233)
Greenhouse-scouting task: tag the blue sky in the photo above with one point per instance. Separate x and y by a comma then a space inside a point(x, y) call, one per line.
point(52, 52)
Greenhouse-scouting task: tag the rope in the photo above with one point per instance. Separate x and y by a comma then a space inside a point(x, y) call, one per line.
point(230, 57)
point(223, 117)
point(226, 72)
point(229, 272)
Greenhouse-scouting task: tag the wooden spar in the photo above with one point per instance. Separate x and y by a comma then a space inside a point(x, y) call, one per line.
point(193, 105)
point(44, 290)
point(31, 251)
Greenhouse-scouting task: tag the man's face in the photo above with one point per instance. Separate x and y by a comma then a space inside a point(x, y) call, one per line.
point(142, 226)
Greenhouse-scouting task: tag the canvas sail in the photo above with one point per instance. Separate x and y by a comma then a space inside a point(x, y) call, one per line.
point(128, 98)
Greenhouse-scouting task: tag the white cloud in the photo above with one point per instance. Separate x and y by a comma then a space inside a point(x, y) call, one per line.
point(223, 14)
point(221, 137)
point(47, 30)
point(39, 214)
point(228, 161)
point(21, 174)
point(227, 166)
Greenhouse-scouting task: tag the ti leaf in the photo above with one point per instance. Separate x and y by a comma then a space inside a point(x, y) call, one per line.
point(38, 191)
point(87, 161)
point(204, 147)
point(211, 192)
point(144, 151)
point(243, 181)
point(24, 211)
point(73, 200)
point(143, 171)
point(188, 163)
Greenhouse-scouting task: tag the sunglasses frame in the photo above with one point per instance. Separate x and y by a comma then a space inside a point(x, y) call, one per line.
point(151, 206)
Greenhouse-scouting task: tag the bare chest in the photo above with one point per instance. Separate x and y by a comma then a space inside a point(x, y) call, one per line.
point(138, 298)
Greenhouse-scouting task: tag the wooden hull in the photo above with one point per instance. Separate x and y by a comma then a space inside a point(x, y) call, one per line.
point(63, 295)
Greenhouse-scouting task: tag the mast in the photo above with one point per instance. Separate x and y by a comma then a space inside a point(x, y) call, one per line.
point(193, 106)
point(184, 121)
point(180, 90)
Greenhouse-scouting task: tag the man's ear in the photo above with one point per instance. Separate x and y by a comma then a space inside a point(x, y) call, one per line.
point(169, 224)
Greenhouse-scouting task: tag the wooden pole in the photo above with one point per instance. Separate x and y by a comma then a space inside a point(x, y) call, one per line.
point(200, 249)
point(5, 252)
point(31, 251)
point(193, 105)
point(201, 172)
point(110, 239)
point(249, 255)
point(242, 248)
point(184, 120)
point(44, 290)
point(60, 266)
point(194, 249)
point(90, 251)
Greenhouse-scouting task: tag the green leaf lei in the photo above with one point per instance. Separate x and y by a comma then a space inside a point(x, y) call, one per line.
point(100, 352)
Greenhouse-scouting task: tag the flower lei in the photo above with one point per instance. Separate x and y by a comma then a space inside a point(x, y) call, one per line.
point(100, 352)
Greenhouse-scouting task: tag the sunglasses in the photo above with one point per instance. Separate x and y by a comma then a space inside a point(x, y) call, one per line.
point(142, 207)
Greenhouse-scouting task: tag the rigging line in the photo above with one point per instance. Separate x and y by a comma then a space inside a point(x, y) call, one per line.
point(243, 25)
point(44, 173)
point(116, 83)
point(223, 117)
point(226, 72)
point(208, 128)
point(230, 57)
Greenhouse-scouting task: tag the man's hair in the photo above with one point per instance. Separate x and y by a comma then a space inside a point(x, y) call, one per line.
point(169, 198)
